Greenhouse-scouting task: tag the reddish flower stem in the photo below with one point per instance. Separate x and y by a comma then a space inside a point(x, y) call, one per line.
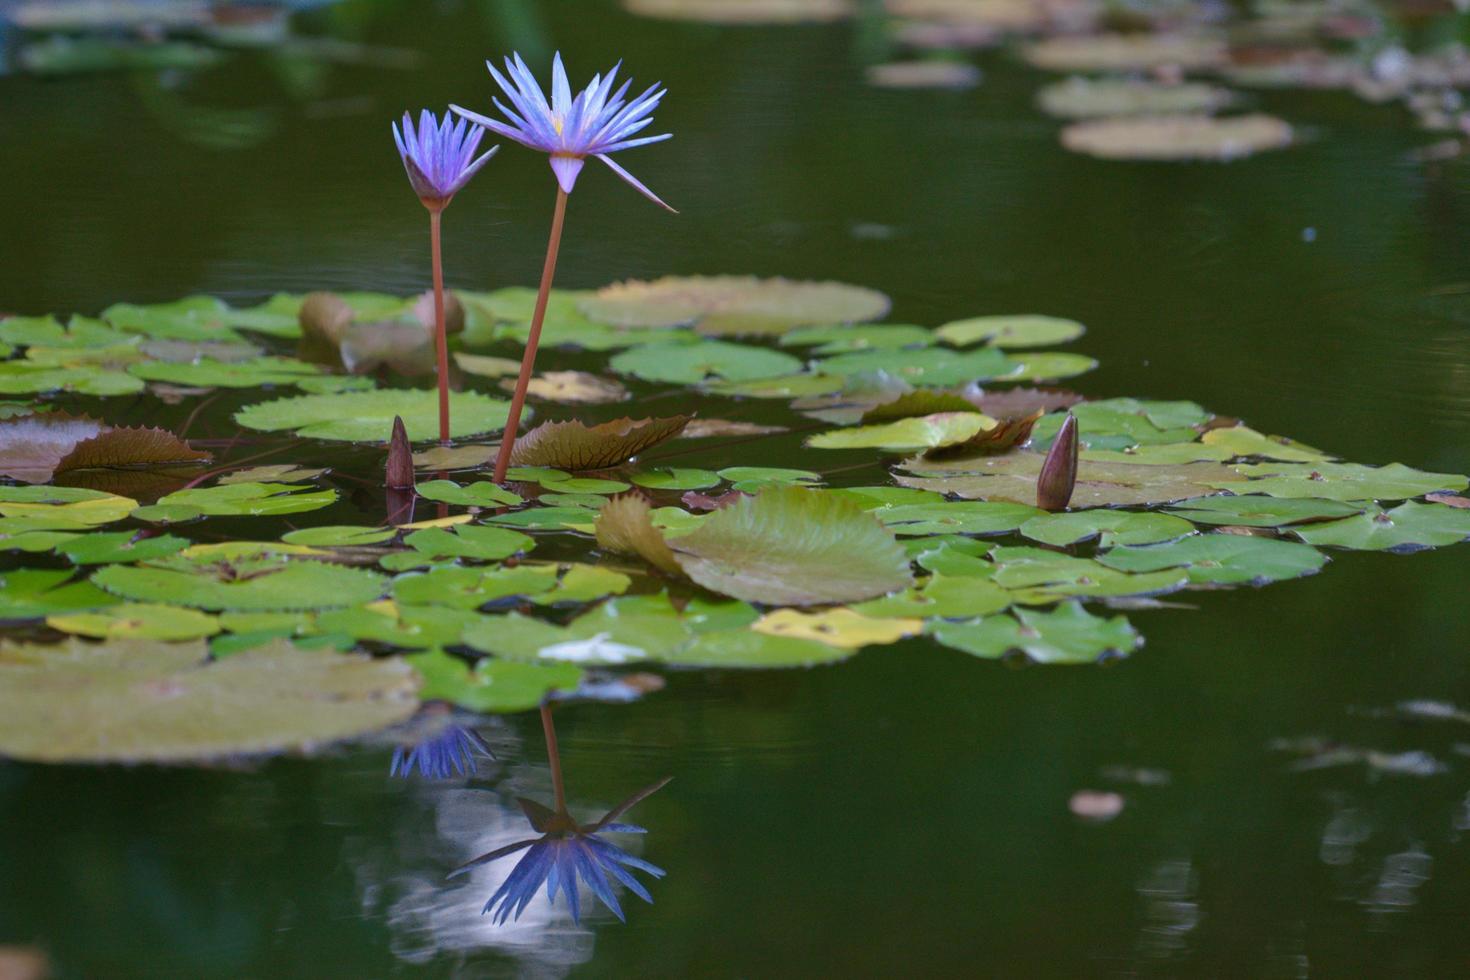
point(553, 753)
point(441, 333)
point(528, 359)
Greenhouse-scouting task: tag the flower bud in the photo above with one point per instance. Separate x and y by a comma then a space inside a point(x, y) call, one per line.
point(1058, 477)
point(400, 458)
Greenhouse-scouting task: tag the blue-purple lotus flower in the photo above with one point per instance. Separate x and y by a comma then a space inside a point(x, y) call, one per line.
point(595, 122)
point(565, 852)
point(439, 157)
point(451, 751)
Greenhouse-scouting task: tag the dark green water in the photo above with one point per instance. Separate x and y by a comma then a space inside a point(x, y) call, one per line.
point(904, 813)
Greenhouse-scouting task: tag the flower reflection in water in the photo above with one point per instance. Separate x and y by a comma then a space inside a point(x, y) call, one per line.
point(442, 748)
point(567, 851)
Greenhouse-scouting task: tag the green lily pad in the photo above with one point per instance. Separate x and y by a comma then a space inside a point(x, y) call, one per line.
point(1115, 526)
point(675, 478)
point(475, 541)
point(339, 536)
point(676, 300)
point(748, 649)
point(1086, 98)
point(105, 548)
point(190, 318)
point(1010, 331)
point(548, 519)
point(491, 686)
point(405, 627)
point(227, 374)
point(957, 517)
point(367, 416)
point(28, 377)
point(470, 588)
point(769, 474)
point(1342, 481)
point(693, 363)
point(1067, 635)
point(64, 507)
point(1408, 527)
point(144, 701)
point(1259, 510)
point(1240, 440)
point(1039, 576)
point(783, 386)
point(845, 338)
point(263, 584)
point(1013, 477)
point(791, 546)
point(942, 596)
point(1221, 559)
point(141, 621)
point(619, 631)
point(906, 435)
point(481, 493)
point(584, 583)
point(926, 366)
point(34, 593)
point(1049, 365)
point(250, 499)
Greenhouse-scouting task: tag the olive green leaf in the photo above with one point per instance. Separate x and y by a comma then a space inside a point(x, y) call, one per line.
point(134, 620)
point(1115, 526)
point(34, 593)
point(1343, 481)
point(491, 686)
point(573, 445)
point(261, 584)
point(1408, 527)
point(1067, 635)
point(367, 416)
point(1221, 559)
point(1010, 331)
point(693, 363)
point(1259, 510)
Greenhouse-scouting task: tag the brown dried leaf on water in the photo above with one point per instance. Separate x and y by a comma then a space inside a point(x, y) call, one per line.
point(573, 445)
point(467, 457)
point(1005, 436)
point(34, 448)
point(1017, 402)
point(695, 500)
point(571, 388)
point(324, 319)
point(921, 401)
point(1449, 500)
point(708, 428)
point(1181, 137)
point(624, 525)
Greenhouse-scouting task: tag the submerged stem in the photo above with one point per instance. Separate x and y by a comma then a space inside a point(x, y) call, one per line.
point(441, 335)
point(528, 359)
point(553, 753)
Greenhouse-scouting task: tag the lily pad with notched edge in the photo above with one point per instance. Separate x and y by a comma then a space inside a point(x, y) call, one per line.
point(908, 434)
point(693, 363)
point(931, 366)
point(140, 621)
point(844, 338)
point(1408, 527)
point(785, 303)
point(956, 517)
point(1259, 510)
point(1181, 137)
point(250, 499)
point(35, 593)
point(367, 416)
point(492, 686)
point(1221, 559)
point(1010, 331)
point(1013, 477)
point(840, 627)
point(260, 584)
point(1115, 527)
point(64, 507)
point(481, 493)
point(1087, 98)
point(1067, 635)
point(1343, 481)
point(571, 388)
point(144, 701)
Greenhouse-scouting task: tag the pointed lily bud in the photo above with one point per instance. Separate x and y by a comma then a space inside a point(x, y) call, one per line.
point(1058, 477)
point(400, 458)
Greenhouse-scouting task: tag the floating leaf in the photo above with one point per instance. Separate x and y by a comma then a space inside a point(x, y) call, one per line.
point(843, 338)
point(487, 367)
point(942, 596)
point(227, 374)
point(1013, 477)
point(909, 434)
point(1085, 98)
point(1181, 137)
point(912, 404)
point(454, 457)
point(33, 593)
point(27, 377)
point(339, 536)
point(469, 541)
point(790, 546)
point(624, 526)
point(1127, 52)
point(32, 445)
point(930, 73)
point(768, 474)
point(1115, 526)
point(702, 428)
point(481, 493)
point(692, 363)
point(1067, 635)
point(837, 628)
point(1010, 331)
point(618, 631)
point(675, 478)
point(144, 701)
point(1259, 510)
point(963, 517)
point(925, 366)
point(64, 507)
point(784, 386)
point(250, 499)
point(105, 548)
point(1002, 437)
point(471, 588)
point(283, 473)
point(743, 11)
point(1020, 402)
point(1408, 527)
point(673, 301)
point(277, 583)
point(1240, 440)
point(1343, 481)
point(573, 445)
point(1048, 366)
point(141, 621)
point(748, 649)
point(367, 416)
point(1039, 576)
point(572, 388)
point(1221, 559)
point(492, 686)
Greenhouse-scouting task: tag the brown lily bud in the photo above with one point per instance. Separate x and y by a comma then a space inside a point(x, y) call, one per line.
point(1058, 477)
point(423, 309)
point(324, 318)
point(400, 458)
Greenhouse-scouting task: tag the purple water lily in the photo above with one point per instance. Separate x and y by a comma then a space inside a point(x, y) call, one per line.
point(440, 159)
point(564, 852)
point(595, 122)
point(451, 751)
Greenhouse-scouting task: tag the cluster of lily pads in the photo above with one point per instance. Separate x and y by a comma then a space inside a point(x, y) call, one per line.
point(160, 638)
